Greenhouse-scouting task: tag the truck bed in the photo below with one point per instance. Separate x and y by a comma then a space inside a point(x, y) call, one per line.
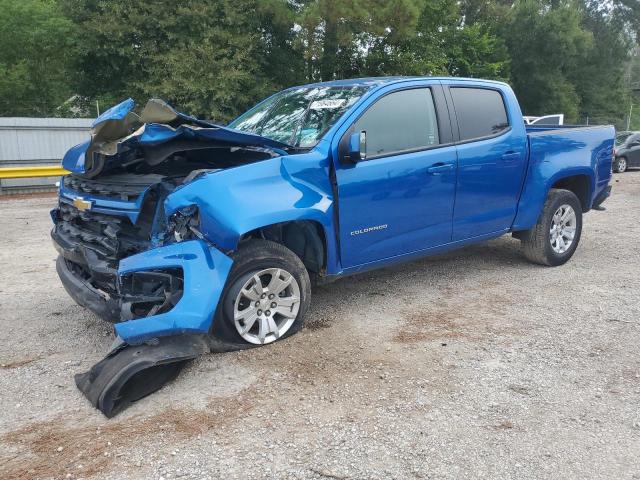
point(563, 150)
point(546, 128)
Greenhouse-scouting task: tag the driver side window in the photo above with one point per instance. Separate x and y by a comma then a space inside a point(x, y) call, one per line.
point(399, 122)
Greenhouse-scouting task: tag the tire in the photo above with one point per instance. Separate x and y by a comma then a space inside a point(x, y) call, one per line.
point(267, 258)
point(538, 242)
point(620, 165)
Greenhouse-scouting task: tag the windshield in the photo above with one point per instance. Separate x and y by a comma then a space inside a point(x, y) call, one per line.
point(299, 116)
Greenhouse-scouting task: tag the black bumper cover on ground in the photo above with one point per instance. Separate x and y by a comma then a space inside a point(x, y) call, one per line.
point(129, 373)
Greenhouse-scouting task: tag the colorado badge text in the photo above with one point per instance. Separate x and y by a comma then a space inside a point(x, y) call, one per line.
point(368, 229)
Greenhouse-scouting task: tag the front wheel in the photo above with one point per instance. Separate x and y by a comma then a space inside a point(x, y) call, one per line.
point(554, 239)
point(620, 165)
point(265, 299)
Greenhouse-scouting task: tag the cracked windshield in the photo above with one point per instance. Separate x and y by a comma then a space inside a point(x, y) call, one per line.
point(298, 117)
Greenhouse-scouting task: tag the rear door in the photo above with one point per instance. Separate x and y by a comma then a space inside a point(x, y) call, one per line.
point(400, 199)
point(492, 156)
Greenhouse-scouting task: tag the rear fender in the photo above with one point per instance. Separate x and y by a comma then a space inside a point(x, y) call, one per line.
point(561, 153)
point(537, 189)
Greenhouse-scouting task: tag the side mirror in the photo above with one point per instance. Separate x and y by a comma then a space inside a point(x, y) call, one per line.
point(358, 146)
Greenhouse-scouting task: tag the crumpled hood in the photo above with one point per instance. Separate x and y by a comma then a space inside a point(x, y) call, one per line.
point(119, 131)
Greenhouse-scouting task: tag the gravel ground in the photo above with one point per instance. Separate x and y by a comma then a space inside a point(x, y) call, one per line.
point(474, 364)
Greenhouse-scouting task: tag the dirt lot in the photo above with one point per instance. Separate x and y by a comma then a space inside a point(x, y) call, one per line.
point(474, 364)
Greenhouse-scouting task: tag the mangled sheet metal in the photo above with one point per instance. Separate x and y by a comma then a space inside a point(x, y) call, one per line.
point(152, 349)
point(119, 130)
point(161, 289)
point(147, 228)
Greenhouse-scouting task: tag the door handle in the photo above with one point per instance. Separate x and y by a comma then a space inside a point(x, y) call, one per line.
point(439, 168)
point(511, 156)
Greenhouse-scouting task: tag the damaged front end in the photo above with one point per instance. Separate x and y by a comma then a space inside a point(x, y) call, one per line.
point(154, 275)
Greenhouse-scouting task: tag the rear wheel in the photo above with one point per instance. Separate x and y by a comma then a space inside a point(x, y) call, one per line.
point(554, 239)
point(266, 297)
point(620, 165)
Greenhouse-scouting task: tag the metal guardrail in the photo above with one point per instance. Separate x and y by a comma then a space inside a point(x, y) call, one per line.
point(31, 172)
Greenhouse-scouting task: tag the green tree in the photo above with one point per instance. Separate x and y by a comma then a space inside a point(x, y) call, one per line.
point(413, 49)
point(628, 13)
point(401, 37)
point(34, 50)
point(601, 81)
point(211, 58)
point(335, 36)
point(214, 58)
point(476, 51)
point(547, 45)
point(632, 108)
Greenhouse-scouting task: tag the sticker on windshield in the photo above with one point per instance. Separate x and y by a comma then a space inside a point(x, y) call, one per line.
point(328, 103)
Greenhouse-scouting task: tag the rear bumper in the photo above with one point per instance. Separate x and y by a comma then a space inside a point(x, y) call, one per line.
point(204, 273)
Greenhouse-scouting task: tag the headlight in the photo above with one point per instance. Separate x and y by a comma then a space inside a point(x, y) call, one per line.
point(185, 224)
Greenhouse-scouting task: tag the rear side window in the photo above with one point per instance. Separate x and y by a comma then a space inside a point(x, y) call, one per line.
point(481, 112)
point(400, 121)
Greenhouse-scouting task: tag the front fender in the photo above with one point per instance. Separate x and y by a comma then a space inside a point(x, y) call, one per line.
point(236, 201)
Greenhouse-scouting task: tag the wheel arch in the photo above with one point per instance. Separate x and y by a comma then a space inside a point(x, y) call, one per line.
point(580, 185)
point(306, 238)
point(579, 180)
point(243, 201)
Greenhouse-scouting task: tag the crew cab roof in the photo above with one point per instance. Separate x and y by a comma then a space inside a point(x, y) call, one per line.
point(379, 81)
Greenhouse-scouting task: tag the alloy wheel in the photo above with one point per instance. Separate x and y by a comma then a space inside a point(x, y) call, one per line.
point(266, 306)
point(563, 229)
point(622, 164)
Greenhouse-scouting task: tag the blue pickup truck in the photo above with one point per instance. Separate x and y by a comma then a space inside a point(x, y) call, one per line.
point(192, 237)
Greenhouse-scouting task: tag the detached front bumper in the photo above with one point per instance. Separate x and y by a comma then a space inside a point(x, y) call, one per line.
point(204, 272)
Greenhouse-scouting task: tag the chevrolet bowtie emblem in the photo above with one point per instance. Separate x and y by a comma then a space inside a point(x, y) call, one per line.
point(82, 204)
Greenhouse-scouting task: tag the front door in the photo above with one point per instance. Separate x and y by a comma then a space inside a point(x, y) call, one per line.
point(400, 199)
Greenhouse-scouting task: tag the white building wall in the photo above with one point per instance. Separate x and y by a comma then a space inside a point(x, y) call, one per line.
point(37, 141)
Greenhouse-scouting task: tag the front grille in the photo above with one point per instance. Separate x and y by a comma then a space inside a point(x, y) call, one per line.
point(120, 187)
point(112, 237)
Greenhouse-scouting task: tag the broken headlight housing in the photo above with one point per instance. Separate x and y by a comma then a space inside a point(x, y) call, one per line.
point(184, 224)
point(148, 293)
